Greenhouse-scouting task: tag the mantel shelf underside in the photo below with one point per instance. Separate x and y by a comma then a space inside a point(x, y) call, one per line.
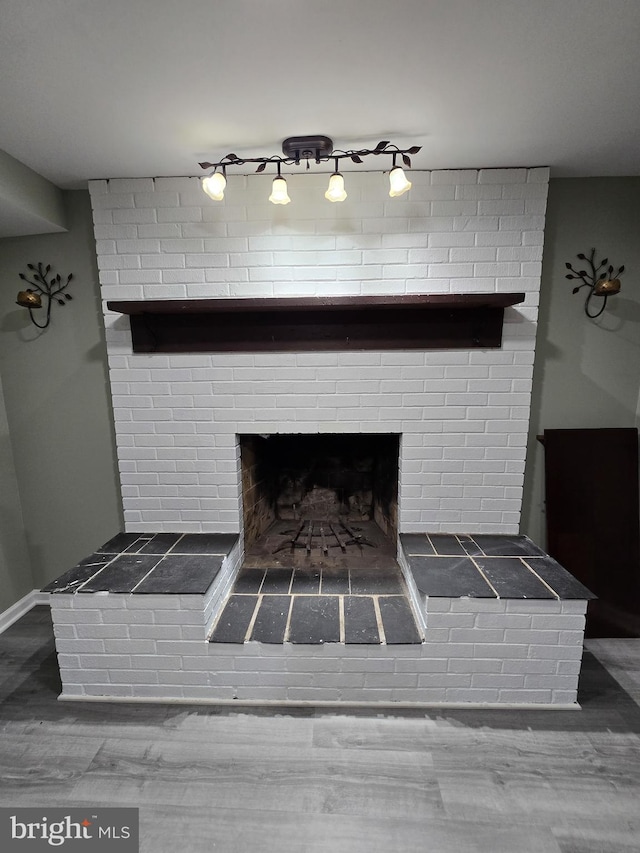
point(434, 321)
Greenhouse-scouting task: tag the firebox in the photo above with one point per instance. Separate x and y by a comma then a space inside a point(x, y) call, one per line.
point(335, 479)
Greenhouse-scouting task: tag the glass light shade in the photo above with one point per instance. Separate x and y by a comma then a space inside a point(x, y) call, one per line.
point(398, 182)
point(214, 186)
point(279, 194)
point(336, 191)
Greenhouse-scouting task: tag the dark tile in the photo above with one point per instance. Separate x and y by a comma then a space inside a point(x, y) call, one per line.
point(512, 579)
point(138, 545)
point(306, 582)
point(277, 582)
point(122, 574)
point(558, 578)
point(360, 623)
point(416, 543)
point(471, 547)
point(75, 577)
point(494, 545)
point(160, 543)
point(446, 544)
point(315, 619)
point(271, 621)
point(206, 543)
point(398, 620)
point(121, 542)
point(235, 619)
point(335, 581)
point(376, 582)
point(182, 574)
point(249, 581)
point(449, 577)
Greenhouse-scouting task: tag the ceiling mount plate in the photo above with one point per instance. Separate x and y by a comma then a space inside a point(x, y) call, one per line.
point(307, 147)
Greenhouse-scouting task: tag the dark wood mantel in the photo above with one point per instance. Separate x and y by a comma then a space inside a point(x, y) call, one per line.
point(436, 321)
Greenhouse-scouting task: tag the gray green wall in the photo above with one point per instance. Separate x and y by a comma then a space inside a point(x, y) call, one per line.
point(16, 579)
point(587, 372)
point(57, 405)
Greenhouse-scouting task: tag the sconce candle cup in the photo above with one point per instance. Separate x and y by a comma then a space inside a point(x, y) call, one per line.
point(607, 287)
point(29, 299)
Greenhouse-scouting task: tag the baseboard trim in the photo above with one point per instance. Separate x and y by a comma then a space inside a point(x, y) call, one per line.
point(24, 605)
point(330, 705)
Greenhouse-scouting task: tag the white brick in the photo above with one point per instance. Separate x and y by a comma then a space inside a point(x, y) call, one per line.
point(419, 231)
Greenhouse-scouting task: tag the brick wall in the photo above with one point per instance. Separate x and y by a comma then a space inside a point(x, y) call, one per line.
point(463, 415)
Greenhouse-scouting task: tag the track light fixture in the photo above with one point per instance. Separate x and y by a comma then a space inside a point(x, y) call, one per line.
point(319, 149)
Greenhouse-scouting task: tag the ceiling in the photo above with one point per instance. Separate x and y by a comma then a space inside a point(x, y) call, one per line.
point(119, 88)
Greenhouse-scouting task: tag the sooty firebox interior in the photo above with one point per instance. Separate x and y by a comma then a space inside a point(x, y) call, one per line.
point(327, 483)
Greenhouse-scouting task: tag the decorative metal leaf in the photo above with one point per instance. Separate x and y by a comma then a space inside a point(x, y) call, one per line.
point(48, 267)
point(381, 145)
point(58, 279)
point(356, 159)
point(69, 277)
point(68, 296)
point(603, 275)
point(414, 149)
point(22, 276)
point(232, 157)
point(621, 269)
point(206, 165)
point(582, 272)
point(604, 262)
point(261, 167)
point(582, 257)
point(31, 266)
point(61, 302)
point(406, 160)
point(568, 275)
point(575, 289)
point(568, 265)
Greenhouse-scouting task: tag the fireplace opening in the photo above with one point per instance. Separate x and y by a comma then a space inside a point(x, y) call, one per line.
point(325, 487)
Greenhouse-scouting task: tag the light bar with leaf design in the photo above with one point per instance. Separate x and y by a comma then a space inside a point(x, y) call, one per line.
point(319, 149)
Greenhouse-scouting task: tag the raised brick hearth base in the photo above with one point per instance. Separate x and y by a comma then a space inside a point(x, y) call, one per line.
point(478, 647)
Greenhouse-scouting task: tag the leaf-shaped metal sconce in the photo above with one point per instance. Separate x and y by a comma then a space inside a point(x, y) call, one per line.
point(601, 282)
point(43, 285)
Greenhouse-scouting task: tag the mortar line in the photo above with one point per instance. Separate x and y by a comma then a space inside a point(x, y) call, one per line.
point(252, 621)
point(376, 610)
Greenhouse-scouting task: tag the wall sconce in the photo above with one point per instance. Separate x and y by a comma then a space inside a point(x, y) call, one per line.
point(603, 284)
point(41, 287)
point(319, 149)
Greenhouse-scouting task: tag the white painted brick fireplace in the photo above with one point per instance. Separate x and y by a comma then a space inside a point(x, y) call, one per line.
point(462, 415)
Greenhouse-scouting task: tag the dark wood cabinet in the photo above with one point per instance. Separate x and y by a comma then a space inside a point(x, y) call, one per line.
point(591, 488)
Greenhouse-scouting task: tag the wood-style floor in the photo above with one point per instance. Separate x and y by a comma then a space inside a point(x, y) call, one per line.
point(250, 781)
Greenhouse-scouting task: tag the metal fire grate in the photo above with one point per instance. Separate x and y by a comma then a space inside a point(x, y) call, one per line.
point(312, 534)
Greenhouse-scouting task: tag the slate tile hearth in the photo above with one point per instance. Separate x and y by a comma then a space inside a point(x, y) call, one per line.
point(317, 619)
point(160, 563)
point(315, 605)
point(487, 566)
point(364, 603)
